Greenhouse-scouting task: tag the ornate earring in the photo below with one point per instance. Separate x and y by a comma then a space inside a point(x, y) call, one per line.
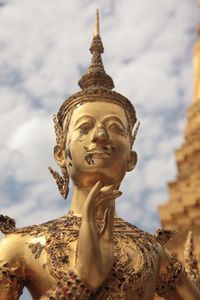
point(61, 181)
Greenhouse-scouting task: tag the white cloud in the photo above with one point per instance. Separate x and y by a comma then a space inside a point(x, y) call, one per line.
point(36, 131)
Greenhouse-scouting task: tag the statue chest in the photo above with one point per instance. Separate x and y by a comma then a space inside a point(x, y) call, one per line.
point(135, 253)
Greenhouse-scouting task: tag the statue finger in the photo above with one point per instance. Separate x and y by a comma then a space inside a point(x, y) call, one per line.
point(107, 188)
point(90, 203)
point(107, 231)
point(106, 198)
point(108, 194)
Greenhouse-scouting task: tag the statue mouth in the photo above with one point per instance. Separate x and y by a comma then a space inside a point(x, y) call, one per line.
point(100, 154)
point(100, 150)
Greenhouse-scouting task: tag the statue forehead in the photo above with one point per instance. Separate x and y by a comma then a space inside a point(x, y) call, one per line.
point(99, 110)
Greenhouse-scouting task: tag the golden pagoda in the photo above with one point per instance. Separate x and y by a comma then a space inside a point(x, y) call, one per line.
point(182, 211)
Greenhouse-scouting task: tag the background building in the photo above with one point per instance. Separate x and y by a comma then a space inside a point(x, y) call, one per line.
point(182, 211)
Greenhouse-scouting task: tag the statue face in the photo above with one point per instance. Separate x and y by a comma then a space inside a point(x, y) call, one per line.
point(98, 145)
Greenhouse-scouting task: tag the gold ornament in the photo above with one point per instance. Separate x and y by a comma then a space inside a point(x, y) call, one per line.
point(61, 181)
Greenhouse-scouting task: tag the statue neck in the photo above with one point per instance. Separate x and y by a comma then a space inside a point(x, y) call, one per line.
point(79, 197)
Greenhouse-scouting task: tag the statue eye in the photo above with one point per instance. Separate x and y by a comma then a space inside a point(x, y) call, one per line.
point(116, 127)
point(85, 128)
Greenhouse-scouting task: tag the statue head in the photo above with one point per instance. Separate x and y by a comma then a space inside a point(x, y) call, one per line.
point(95, 129)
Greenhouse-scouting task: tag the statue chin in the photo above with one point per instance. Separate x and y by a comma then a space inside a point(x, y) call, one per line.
point(89, 179)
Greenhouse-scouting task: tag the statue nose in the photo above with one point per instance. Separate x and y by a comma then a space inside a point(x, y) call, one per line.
point(100, 135)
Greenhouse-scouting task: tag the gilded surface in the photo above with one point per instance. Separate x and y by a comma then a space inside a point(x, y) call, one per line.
point(136, 254)
point(52, 250)
point(62, 234)
point(90, 253)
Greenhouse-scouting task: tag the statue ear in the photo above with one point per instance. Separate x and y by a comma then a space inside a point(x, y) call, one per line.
point(59, 156)
point(132, 161)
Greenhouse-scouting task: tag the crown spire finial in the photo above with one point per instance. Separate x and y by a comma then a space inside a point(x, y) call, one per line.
point(97, 27)
point(95, 75)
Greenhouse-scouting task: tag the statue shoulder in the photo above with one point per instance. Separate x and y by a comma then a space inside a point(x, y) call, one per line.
point(8, 226)
point(135, 232)
point(162, 236)
point(12, 266)
point(11, 247)
point(155, 241)
point(10, 241)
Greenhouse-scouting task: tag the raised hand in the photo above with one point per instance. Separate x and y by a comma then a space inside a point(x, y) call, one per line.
point(95, 255)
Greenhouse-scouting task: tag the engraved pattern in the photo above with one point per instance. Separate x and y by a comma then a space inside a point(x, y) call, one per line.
point(36, 249)
point(10, 281)
point(62, 232)
point(167, 282)
point(71, 287)
point(61, 181)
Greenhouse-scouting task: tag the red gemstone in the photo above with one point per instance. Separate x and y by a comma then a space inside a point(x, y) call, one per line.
point(64, 289)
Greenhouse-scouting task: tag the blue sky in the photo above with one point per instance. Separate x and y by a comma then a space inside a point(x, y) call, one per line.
point(44, 51)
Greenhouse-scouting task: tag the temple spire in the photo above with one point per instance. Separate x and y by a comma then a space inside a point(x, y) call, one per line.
point(95, 75)
point(182, 211)
point(196, 67)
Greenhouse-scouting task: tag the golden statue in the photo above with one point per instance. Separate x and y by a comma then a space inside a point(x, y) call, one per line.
point(91, 253)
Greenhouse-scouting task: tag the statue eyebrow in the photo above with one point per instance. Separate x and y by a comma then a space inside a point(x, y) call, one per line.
point(112, 117)
point(82, 118)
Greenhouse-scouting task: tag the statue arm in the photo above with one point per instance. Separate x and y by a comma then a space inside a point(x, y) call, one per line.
point(95, 254)
point(173, 280)
point(11, 269)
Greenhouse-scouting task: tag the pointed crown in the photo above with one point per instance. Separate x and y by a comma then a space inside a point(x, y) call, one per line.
point(96, 75)
point(96, 85)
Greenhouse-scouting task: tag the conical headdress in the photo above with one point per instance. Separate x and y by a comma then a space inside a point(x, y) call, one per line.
point(96, 85)
point(96, 75)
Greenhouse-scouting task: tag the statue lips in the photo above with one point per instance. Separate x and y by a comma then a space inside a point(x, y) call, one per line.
point(100, 152)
